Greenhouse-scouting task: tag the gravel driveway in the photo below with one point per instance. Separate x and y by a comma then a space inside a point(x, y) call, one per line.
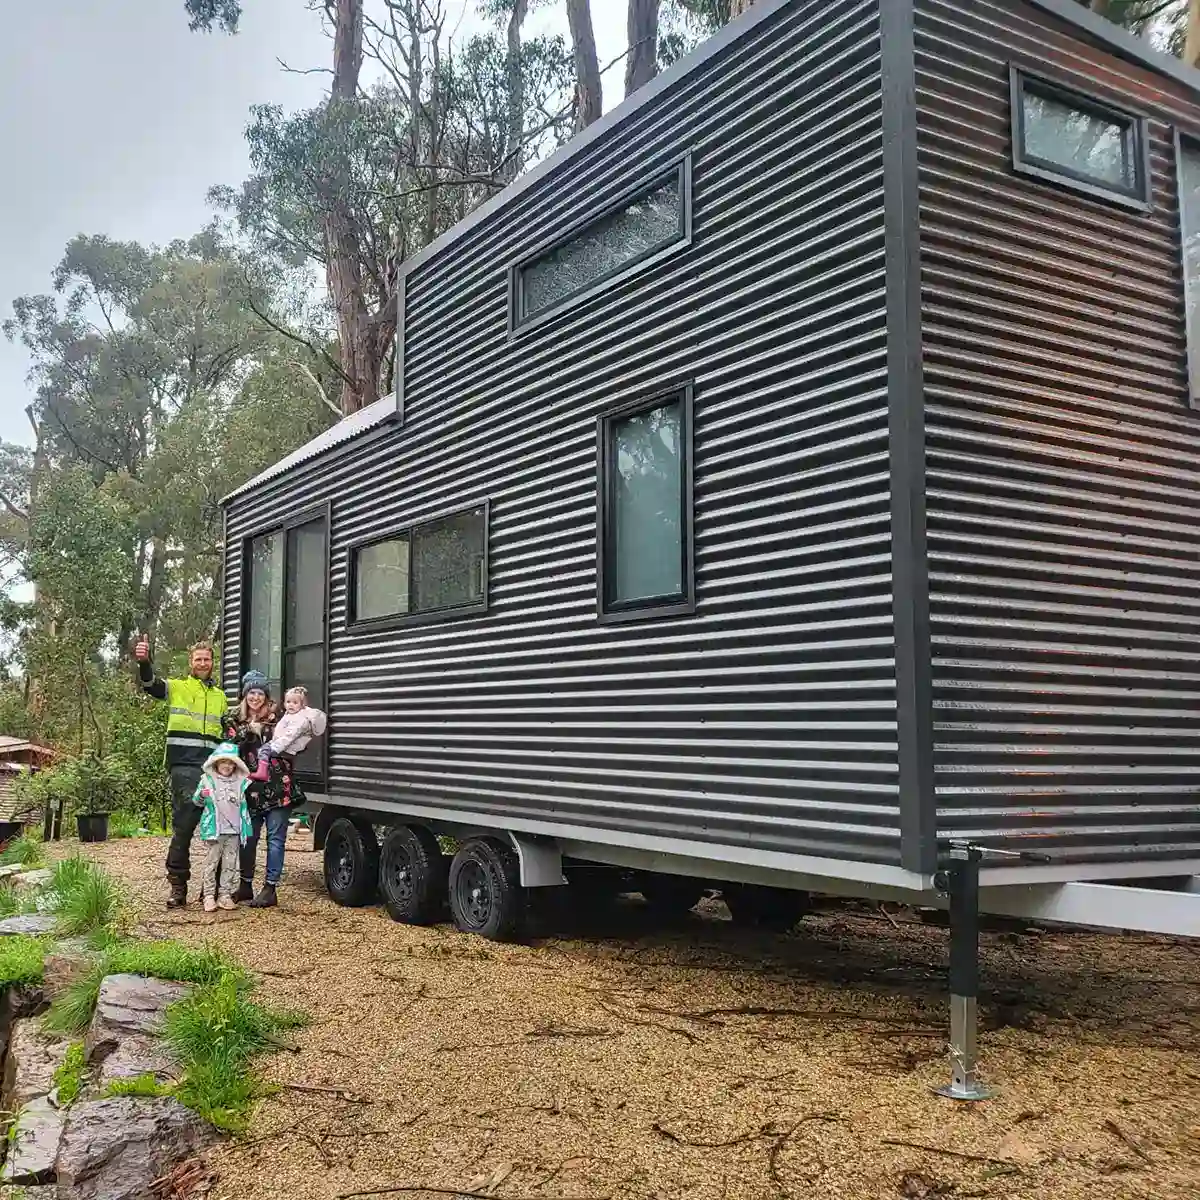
point(703, 1062)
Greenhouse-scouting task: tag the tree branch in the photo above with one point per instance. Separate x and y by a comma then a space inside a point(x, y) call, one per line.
point(315, 351)
point(312, 375)
point(16, 511)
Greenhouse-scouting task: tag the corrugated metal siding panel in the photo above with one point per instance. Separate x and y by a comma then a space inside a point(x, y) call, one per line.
point(768, 718)
point(1063, 463)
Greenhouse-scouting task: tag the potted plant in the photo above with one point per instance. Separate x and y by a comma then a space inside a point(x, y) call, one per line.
point(99, 781)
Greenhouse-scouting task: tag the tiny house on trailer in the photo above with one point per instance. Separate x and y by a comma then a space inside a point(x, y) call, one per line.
point(794, 483)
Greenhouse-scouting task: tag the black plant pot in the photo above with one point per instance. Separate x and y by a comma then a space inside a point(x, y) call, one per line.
point(93, 827)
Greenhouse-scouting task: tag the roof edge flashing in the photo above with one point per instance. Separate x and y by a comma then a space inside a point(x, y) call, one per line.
point(382, 411)
point(1130, 46)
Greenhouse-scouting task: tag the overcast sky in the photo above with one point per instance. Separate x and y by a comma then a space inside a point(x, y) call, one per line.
point(117, 120)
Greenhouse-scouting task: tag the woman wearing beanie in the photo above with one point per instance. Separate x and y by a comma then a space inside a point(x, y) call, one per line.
point(248, 726)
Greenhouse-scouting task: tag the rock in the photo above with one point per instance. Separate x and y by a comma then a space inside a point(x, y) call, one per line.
point(64, 964)
point(115, 1149)
point(16, 1003)
point(29, 924)
point(33, 1143)
point(30, 1065)
point(134, 1055)
point(128, 1004)
point(28, 880)
point(7, 872)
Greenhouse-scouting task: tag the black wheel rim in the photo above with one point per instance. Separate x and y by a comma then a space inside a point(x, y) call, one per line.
point(398, 875)
point(341, 872)
point(473, 894)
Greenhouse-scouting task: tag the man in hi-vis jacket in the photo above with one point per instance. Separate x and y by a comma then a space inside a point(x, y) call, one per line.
point(195, 707)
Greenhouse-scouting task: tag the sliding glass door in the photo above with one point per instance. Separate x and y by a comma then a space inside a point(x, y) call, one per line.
point(285, 620)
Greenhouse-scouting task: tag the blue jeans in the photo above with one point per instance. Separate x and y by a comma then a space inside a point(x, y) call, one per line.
point(276, 821)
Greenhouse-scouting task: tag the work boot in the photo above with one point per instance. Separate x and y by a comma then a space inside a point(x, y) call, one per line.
point(265, 898)
point(245, 892)
point(178, 896)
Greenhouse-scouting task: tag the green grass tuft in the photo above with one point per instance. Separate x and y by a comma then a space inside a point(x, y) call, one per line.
point(68, 874)
point(86, 898)
point(10, 905)
point(71, 1010)
point(102, 939)
point(70, 1075)
point(21, 961)
point(215, 1032)
point(124, 825)
point(25, 851)
point(173, 960)
point(140, 1085)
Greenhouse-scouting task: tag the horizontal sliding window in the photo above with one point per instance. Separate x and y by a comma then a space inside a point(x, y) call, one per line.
point(1073, 139)
point(651, 221)
point(439, 566)
point(645, 509)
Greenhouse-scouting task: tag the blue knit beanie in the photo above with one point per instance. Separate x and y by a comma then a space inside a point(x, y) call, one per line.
point(255, 681)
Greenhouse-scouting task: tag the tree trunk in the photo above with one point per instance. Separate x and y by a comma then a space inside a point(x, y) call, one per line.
point(642, 64)
point(1103, 7)
point(515, 151)
point(347, 49)
point(155, 586)
point(40, 463)
point(737, 7)
point(125, 637)
point(1191, 43)
point(343, 271)
point(589, 93)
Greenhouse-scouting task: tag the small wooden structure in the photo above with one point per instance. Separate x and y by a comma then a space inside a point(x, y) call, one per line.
point(18, 756)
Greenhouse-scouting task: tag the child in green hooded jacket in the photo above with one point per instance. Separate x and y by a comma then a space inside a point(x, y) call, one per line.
point(224, 823)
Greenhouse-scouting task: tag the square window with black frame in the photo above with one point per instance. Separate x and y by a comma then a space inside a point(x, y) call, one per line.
point(448, 562)
point(1075, 140)
point(645, 525)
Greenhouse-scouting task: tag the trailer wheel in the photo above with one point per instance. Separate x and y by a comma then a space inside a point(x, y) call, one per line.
point(766, 907)
point(412, 875)
point(351, 863)
point(486, 896)
point(670, 896)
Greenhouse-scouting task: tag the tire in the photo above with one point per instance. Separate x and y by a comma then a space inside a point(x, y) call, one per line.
point(671, 896)
point(486, 896)
point(351, 863)
point(765, 907)
point(412, 875)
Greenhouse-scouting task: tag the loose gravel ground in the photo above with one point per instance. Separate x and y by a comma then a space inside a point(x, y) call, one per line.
point(703, 1062)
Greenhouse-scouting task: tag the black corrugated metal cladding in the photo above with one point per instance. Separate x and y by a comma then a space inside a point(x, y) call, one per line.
point(1063, 462)
point(767, 718)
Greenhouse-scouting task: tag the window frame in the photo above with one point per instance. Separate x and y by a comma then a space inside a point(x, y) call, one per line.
point(1137, 198)
point(681, 172)
point(1182, 137)
point(307, 516)
point(684, 603)
point(432, 616)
